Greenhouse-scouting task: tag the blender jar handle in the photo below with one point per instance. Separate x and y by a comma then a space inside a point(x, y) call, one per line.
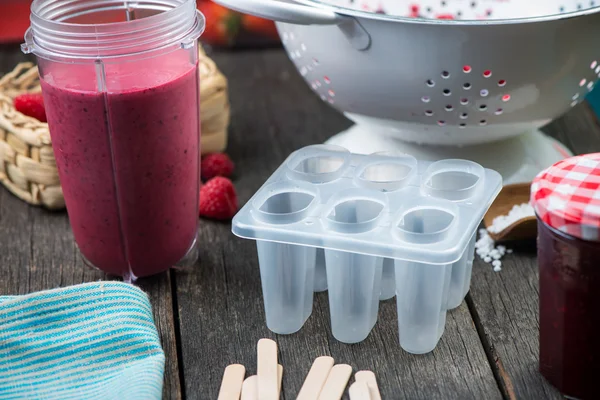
point(286, 11)
point(283, 11)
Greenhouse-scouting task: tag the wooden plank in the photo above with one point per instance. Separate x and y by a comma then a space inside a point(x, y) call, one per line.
point(37, 252)
point(505, 305)
point(219, 300)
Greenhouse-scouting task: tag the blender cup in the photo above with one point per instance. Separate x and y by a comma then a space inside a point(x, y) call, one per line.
point(121, 91)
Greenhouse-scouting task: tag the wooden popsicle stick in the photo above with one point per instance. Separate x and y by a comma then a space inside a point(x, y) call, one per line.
point(369, 378)
point(231, 385)
point(267, 369)
point(336, 382)
point(359, 391)
point(315, 379)
point(250, 388)
point(279, 379)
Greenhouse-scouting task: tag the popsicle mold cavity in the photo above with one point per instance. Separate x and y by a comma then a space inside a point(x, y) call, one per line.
point(352, 212)
point(367, 228)
point(318, 164)
point(386, 172)
point(430, 222)
point(284, 203)
point(454, 180)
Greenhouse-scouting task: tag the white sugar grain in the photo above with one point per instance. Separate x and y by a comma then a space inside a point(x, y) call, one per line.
point(518, 212)
point(487, 250)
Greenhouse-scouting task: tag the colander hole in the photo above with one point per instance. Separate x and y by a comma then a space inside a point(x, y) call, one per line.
point(483, 122)
point(445, 74)
point(303, 71)
point(330, 101)
point(314, 86)
point(579, 6)
point(443, 3)
point(315, 62)
point(582, 82)
point(425, 99)
point(484, 92)
point(598, 69)
point(489, 12)
point(441, 123)
point(473, 4)
point(506, 98)
point(483, 107)
point(298, 55)
point(590, 85)
point(303, 47)
point(501, 83)
point(309, 67)
point(464, 116)
point(463, 125)
point(487, 73)
point(467, 86)
point(499, 111)
point(291, 35)
point(447, 92)
point(449, 108)
point(594, 64)
point(561, 9)
point(331, 93)
point(464, 102)
point(459, 13)
point(575, 96)
point(326, 80)
point(429, 113)
point(430, 83)
point(573, 104)
point(467, 69)
point(318, 83)
point(323, 97)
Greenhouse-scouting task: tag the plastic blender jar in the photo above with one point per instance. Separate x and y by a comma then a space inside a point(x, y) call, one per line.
point(121, 90)
point(566, 198)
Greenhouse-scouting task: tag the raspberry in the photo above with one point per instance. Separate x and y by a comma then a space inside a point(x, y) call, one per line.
point(216, 164)
point(32, 105)
point(218, 199)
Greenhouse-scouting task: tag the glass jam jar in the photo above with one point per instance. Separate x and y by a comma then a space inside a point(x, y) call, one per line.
point(566, 199)
point(121, 89)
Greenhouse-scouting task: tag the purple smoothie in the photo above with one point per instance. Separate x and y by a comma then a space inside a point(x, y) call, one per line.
point(128, 160)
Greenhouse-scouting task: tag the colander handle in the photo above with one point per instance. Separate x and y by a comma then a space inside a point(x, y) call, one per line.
point(284, 11)
point(294, 13)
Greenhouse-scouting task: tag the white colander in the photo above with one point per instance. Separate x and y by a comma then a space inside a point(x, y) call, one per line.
point(498, 69)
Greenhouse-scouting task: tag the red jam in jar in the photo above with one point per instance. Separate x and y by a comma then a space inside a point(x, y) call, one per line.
point(566, 198)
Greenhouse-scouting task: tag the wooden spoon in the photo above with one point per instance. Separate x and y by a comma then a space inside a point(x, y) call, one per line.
point(511, 195)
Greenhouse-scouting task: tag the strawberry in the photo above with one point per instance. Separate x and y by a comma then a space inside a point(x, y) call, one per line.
point(216, 164)
point(259, 25)
point(222, 24)
point(32, 105)
point(218, 199)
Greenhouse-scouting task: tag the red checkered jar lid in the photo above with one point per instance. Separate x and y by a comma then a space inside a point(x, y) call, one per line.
point(566, 196)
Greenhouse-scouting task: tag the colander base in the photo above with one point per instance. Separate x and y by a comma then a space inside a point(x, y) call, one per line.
point(517, 159)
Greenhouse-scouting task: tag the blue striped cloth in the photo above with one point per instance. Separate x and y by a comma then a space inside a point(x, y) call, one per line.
point(91, 341)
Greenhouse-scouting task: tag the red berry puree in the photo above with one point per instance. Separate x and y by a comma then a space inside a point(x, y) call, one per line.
point(569, 312)
point(128, 159)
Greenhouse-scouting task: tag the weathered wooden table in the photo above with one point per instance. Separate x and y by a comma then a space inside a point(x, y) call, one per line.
point(211, 314)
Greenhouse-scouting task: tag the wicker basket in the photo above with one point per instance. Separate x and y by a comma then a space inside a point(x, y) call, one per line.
point(27, 164)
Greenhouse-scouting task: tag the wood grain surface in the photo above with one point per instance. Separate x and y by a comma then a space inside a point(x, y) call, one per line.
point(211, 314)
